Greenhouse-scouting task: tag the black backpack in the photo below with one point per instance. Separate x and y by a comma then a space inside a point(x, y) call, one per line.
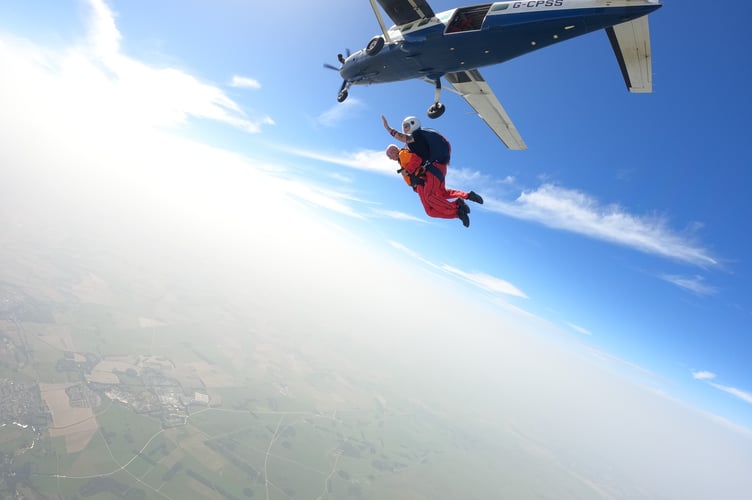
point(430, 145)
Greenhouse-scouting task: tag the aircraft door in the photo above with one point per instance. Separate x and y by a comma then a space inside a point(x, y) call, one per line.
point(468, 18)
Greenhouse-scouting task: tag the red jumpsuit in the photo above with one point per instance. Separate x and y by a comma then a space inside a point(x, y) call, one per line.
point(443, 191)
point(433, 194)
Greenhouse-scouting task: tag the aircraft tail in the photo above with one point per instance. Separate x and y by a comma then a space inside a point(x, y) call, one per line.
point(631, 44)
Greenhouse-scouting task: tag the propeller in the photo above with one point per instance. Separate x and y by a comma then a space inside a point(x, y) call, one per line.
point(341, 60)
point(342, 95)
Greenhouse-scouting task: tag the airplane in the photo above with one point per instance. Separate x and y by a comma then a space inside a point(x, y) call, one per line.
point(453, 44)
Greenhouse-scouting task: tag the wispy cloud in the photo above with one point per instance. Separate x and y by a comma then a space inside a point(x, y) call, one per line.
point(743, 395)
point(579, 329)
point(244, 82)
point(412, 253)
point(96, 77)
point(694, 284)
point(575, 211)
point(560, 208)
point(339, 112)
point(703, 375)
point(486, 281)
point(397, 215)
point(366, 159)
point(376, 161)
point(469, 179)
point(708, 377)
point(477, 180)
point(339, 177)
point(321, 197)
point(480, 280)
point(594, 351)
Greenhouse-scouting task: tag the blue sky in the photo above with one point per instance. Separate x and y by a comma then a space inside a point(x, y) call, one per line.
point(622, 227)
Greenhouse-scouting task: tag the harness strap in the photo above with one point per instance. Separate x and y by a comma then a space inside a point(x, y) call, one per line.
point(430, 167)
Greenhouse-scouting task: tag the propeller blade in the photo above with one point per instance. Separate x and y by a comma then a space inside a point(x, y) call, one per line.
point(329, 66)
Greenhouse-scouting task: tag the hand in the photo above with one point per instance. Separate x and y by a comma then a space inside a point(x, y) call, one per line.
point(416, 181)
point(386, 124)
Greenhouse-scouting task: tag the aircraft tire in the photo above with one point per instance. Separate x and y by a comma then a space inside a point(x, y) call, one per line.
point(342, 96)
point(436, 110)
point(375, 45)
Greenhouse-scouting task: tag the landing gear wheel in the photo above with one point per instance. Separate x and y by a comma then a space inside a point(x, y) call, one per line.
point(436, 110)
point(342, 96)
point(375, 45)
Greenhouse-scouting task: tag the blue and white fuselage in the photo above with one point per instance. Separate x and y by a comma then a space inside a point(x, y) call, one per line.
point(453, 43)
point(508, 30)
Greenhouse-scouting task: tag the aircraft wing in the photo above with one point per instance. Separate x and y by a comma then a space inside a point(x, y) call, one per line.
point(631, 44)
point(474, 89)
point(406, 11)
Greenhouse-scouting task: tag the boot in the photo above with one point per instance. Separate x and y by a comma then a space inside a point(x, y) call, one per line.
point(473, 196)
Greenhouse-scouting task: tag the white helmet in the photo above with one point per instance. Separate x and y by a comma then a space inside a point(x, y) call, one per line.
point(410, 124)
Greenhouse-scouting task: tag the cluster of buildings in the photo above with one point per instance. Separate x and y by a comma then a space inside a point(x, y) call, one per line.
point(159, 397)
point(140, 383)
point(21, 404)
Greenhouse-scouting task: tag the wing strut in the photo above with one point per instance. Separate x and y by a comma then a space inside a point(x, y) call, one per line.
point(381, 21)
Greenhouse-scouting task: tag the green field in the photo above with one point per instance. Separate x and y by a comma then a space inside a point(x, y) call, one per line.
point(307, 415)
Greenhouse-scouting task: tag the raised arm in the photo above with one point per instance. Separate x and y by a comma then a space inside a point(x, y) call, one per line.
point(407, 139)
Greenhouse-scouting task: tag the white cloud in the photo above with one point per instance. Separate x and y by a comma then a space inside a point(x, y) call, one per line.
point(103, 37)
point(470, 176)
point(703, 375)
point(617, 361)
point(486, 282)
point(579, 329)
point(325, 298)
point(97, 72)
point(340, 178)
point(575, 211)
point(558, 208)
point(412, 253)
point(244, 82)
point(339, 112)
point(708, 376)
point(376, 161)
point(366, 159)
point(397, 215)
point(480, 280)
point(473, 180)
point(693, 284)
point(321, 197)
point(743, 395)
point(467, 176)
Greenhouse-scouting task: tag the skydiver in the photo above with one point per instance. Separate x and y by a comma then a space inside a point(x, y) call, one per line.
point(426, 143)
point(433, 148)
point(425, 179)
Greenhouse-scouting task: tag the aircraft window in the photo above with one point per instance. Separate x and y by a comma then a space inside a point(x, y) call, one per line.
point(500, 6)
point(444, 16)
point(468, 18)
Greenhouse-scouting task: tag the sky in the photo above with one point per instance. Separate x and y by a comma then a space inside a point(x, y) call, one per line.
point(619, 233)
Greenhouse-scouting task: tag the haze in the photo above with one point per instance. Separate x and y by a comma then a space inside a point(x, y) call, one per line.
point(397, 381)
